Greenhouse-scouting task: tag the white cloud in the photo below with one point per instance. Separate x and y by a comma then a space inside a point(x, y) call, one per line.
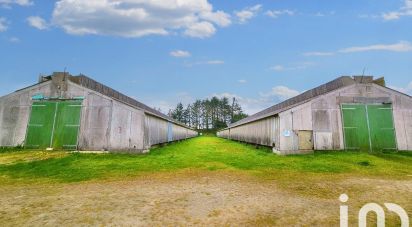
point(401, 46)
point(405, 10)
point(278, 68)
point(3, 24)
point(302, 65)
point(278, 13)
point(369, 16)
point(242, 81)
point(200, 30)
point(318, 54)
point(168, 103)
point(219, 17)
point(248, 13)
point(180, 54)
point(8, 3)
point(214, 62)
point(209, 62)
point(14, 40)
point(263, 101)
point(406, 90)
point(322, 14)
point(137, 18)
point(249, 105)
point(37, 22)
point(281, 92)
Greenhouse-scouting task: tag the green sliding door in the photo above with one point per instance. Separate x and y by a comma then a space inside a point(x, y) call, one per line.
point(368, 127)
point(54, 124)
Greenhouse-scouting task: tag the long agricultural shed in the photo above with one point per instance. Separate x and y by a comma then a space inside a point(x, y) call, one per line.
point(77, 113)
point(349, 113)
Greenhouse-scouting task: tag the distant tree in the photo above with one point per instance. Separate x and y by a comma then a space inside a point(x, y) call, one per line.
point(196, 114)
point(236, 112)
point(177, 113)
point(186, 115)
point(209, 114)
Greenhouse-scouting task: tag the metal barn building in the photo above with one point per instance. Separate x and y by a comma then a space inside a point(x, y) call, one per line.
point(349, 113)
point(78, 113)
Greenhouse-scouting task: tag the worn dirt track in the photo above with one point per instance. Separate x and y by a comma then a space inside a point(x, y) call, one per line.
point(194, 198)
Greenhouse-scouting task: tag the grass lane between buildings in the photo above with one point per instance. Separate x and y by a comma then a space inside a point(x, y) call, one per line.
point(202, 153)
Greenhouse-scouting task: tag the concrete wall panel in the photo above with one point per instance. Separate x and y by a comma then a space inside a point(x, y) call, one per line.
point(323, 116)
point(137, 130)
point(157, 130)
point(95, 123)
point(106, 123)
point(259, 132)
point(15, 112)
point(120, 128)
point(288, 136)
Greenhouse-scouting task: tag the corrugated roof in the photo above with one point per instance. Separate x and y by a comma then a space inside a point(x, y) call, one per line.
point(91, 84)
point(304, 97)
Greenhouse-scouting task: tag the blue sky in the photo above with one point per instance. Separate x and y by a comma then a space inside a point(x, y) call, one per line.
point(163, 52)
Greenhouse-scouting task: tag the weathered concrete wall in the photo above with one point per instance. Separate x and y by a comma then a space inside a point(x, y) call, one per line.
point(95, 123)
point(259, 132)
point(191, 133)
point(157, 130)
point(224, 134)
point(327, 117)
point(290, 123)
point(106, 123)
point(402, 114)
point(15, 111)
point(322, 116)
point(179, 133)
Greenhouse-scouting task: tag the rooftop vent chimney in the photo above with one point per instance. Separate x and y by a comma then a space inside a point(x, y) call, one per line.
point(380, 81)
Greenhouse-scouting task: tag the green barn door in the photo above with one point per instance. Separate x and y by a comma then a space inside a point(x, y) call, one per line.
point(67, 125)
point(382, 130)
point(54, 125)
point(355, 127)
point(39, 130)
point(368, 127)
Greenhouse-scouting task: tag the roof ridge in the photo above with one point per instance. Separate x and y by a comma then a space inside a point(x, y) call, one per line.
point(92, 84)
point(335, 84)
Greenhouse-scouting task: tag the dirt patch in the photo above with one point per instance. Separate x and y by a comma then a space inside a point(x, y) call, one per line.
point(18, 157)
point(192, 198)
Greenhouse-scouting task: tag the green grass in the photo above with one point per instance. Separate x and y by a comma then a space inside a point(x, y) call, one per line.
point(202, 153)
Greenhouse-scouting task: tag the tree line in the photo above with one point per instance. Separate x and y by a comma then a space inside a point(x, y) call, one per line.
point(209, 114)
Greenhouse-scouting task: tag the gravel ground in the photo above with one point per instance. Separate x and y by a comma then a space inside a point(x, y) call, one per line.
point(197, 198)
